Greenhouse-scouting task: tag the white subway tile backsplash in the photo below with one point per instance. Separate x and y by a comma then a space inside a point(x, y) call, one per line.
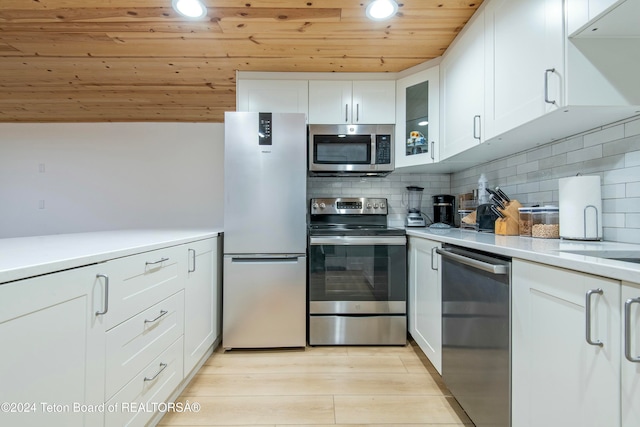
point(604, 135)
point(617, 176)
point(632, 190)
point(621, 146)
point(539, 153)
point(632, 220)
point(632, 159)
point(616, 220)
point(613, 191)
point(572, 144)
point(584, 154)
point(528, 167)
point(632, 128)
point(624, 235)
point(626, 205)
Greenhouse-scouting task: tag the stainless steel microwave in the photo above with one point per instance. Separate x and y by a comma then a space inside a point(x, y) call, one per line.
point(351, 150)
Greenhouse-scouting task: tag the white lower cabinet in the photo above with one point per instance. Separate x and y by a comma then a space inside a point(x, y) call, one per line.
point(630, 306)
point(425, 298)
point(52, 356)
point(558, 377)
point(105, 344)
point(146, 394)
point(201, 301)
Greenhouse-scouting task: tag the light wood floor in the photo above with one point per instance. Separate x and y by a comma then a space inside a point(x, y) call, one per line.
point(319, 386)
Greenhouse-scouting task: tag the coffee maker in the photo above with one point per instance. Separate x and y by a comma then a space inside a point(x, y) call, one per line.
point(443, 209)
point(413, 203)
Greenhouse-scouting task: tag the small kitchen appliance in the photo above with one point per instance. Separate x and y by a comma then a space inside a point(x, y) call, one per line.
point(443, 208)
point(357, 274)
point(413, 203)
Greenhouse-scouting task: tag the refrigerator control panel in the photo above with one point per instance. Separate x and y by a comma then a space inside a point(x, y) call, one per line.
point(264, 128)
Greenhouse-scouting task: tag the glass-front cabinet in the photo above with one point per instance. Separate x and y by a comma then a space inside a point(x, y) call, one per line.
point(417, 118)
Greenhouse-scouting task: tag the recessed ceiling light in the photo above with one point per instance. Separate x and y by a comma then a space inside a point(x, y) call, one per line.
point(379, 10)
point(423, 123)
point(190, 8)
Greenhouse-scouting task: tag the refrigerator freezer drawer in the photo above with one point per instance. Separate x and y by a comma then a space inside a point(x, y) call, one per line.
point(358, 330)
point(264, 302)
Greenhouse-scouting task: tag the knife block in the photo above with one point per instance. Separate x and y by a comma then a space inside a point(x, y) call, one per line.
point(510, 225)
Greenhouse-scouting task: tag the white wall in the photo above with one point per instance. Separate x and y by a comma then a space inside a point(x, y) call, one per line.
point(104, 176)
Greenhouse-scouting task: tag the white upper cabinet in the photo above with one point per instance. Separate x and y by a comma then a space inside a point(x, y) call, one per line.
point(352, 102)
point(418, 110)
point(275, 96)
point(594, 18)
point(524, 45)
point(462, 81)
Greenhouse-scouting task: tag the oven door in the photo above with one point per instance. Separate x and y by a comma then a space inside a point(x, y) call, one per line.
point(357, 275)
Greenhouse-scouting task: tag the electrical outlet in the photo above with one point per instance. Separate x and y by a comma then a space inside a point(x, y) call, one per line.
point(41, 167)
point(41, 204)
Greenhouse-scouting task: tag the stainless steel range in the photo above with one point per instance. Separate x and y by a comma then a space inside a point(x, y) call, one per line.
point(357, 274)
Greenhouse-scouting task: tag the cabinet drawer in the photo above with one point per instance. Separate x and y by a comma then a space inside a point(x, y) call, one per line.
point(138, 401)
point(132, 345)
point(137, 281)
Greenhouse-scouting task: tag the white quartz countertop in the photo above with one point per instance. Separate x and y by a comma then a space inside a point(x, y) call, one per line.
point(545, 251)
point(24, 257)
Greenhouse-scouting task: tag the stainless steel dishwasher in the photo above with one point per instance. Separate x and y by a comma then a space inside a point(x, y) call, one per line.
point(476, 319)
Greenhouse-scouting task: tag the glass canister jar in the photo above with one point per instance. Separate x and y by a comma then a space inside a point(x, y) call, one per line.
point(546, 223)
point(525, 216)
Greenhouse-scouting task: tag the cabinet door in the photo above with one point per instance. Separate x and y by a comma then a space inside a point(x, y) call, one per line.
point(52, 356)
point(275, 96)
point(631, 369)
point(374, 102)
point(417, 102)
point(426, 299)
point(330, 102)
point(558, 379)
point(524, 40)
point(201, 301)
point(581, 12)
point(462, 76)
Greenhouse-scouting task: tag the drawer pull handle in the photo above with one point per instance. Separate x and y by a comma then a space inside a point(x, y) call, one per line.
point(162, 313)
point(106, 294)
point(163, 366)
point(587, 310)
point(161, 260)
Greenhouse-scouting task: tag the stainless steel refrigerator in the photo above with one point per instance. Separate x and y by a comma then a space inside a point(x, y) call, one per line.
point(264, 276)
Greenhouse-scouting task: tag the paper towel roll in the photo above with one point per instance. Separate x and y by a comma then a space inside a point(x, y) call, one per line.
point(580, 199)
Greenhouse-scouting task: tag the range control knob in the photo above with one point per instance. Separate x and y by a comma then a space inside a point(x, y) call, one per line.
point(375, 206)
point(322, 206)
point(381, 205)
point(368, 205)
point(314, 206)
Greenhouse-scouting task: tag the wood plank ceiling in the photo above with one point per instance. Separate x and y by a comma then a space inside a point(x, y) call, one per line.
point(124, 60)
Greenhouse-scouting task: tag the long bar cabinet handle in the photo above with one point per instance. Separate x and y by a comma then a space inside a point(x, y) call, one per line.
point(476, 128)
point(587, 310)
point(546, 86)
point(160, 261)
point(433, 255)
point(191, 270)
point(163, 366)
point(106, 294)
point(357, 113)
point(627, 330)
point(346, 113)
point(162, 313)
point(433, 144)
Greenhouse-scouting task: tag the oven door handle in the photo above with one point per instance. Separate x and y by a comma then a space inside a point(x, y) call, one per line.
point(357, 240)
point(480, 265)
